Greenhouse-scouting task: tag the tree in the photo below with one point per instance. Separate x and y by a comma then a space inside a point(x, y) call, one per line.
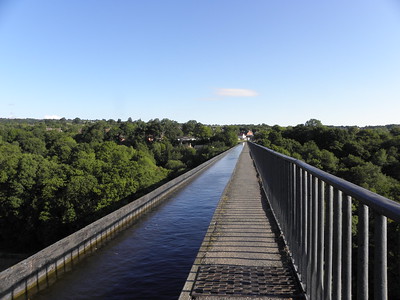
point(77, 121)
point(171, 129)
point(380, 157)
point(188, 128)
point(62, 147)
point(154, 128)
point(313, 123)
point(230, 136)
point(370, 177)
point(55, 182)
point(175, 165)
point(94, 133)
point(162, 152)
point(329, 161)
point(202, 132)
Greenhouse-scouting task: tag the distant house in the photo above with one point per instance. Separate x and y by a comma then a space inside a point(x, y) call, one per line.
point(242, 137)
point(151, 138)
point(249, 135)
point(186, 139)
point(245, 136)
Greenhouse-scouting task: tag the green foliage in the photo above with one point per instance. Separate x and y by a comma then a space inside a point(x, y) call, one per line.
point(58, 176)
point(188, 128)
point(227, 136)
point(202, 132)
point(175, 165)
point(313, 123)
point(368, 157)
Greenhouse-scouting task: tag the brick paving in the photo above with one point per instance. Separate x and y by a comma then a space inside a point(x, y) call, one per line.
point(242, 255)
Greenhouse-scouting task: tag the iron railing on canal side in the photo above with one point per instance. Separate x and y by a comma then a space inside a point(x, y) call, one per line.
point(316, 211)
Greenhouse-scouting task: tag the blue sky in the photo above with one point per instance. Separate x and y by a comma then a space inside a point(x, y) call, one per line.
point(215, 61)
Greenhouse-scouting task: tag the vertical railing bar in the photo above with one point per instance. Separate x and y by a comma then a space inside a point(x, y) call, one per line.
point(300, 218)
point(380, 258)
point(275, 194)
point(309, 231)
point(279, 192)
point(283, 197)
point(363, 252)
point(271, 182)
point(288, 210)
point(277, 188)
point(278, 203)
point(279, 200)
point(305, 228)
point(292, 188)
point(337, 246)
point(347, 248)
point(298, 212)
point(314, 241)
point(328, 246)
point(320, 250)
point(293, 228)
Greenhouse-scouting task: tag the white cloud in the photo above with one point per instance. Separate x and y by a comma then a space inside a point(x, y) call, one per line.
point(54, 117)
point(236, 93)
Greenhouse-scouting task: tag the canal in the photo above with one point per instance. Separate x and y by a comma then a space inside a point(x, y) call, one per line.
point(152, 258)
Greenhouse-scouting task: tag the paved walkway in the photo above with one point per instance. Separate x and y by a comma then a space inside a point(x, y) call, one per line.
point(242, 256)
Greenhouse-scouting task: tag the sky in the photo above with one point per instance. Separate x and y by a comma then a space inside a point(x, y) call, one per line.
point(214, 61)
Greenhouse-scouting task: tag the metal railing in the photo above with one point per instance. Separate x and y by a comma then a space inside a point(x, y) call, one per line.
point(315, 211)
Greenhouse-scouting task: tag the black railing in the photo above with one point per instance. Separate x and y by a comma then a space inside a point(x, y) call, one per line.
point(315, 211)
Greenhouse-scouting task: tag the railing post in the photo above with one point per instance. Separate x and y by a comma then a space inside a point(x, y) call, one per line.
point(284, 196)
point(380, 258)
point(290, 211)
point(320, 250)
point(309, 232)
point(304, 229)
point(337, 246)
point(295, 229)
point(299, 218)
point(363, 244)
point(328, 246)
point(314, 241)
point(347, 251)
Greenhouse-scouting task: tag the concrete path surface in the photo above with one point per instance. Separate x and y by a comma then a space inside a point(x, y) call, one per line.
point(242, 255)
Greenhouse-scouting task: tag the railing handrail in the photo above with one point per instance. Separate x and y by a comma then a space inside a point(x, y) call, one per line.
point(380, 204)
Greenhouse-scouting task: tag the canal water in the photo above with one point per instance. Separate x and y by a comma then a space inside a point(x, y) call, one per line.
point(152, 258)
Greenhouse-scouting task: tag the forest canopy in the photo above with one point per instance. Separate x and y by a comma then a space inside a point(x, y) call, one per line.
point(57, 176)
point(368, 157)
